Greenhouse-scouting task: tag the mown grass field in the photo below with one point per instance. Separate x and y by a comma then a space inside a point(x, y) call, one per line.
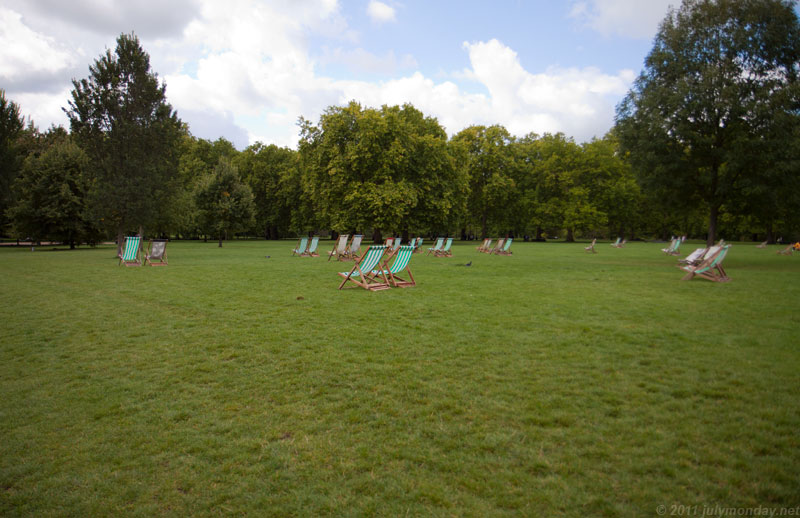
point(549, 383)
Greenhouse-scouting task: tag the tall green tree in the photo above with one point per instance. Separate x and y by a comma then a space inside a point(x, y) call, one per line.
point(225, 202)
point(11, 126)
point(716, 107)
point(52, 193)
point(120, 117)
point(269, 171)
point(387, 169)
point(484, 156)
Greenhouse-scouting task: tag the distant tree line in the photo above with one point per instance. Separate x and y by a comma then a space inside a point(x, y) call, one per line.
point(706, 144)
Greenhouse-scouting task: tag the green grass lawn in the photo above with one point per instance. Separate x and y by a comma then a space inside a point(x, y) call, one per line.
point(548, 383)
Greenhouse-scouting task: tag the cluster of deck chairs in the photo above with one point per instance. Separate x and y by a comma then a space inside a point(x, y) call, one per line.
point(306, 247)
point(706, 263)
point(373, 272)
point(441, 248)
point(155, 254)
point(393, 243)
point(501, 247)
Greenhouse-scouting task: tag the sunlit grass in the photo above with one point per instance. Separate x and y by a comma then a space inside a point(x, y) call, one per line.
point(551, 382)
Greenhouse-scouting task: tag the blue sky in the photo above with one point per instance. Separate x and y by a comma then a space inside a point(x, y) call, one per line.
point(247, 69)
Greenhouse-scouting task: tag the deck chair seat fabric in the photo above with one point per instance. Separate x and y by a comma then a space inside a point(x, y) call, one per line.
point(362, 274)
point(355, 247)
point(400, 264)
point(437, 246)
point(497, 246)
point(311, 251)
point(301, 247)
point(506, 246)
point(156, 253)
point(445, 250)
point(695, 257)
point(340, 247)
point(130, 253)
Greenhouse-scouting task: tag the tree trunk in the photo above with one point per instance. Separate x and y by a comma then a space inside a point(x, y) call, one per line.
point(377, 237)
point(770, 233)
point(484, 230)
point(712, 225)
point(120, 240)
point(570, 236)
point(220, 239)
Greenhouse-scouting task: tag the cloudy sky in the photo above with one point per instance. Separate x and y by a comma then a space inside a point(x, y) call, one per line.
point(247, 69)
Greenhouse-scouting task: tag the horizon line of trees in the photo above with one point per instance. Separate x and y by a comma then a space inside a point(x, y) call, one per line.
point(705, 144)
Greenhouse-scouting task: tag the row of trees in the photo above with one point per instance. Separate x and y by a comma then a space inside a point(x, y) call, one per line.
point(706, 141)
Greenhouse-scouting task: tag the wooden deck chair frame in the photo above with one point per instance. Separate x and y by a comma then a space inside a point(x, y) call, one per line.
point(436, 247)
point(482, 246)
point(787, 251)
point(445, 250)
point(354, 248)
point(506, 247)
point(710, 268)
point(362, 273)
point(311, 251)
point(339, 246)
point(131, 251)
point(400, 264)
point(300, 249)
point(150, 254)
point(590, 248)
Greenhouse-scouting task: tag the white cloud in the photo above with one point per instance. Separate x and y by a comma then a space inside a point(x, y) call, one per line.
point(245, 70)
point(27, 52)
point(629, 18)
point(360, 60)
point(380, 12)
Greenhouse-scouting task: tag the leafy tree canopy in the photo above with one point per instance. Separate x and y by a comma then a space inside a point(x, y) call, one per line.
point(717, 102)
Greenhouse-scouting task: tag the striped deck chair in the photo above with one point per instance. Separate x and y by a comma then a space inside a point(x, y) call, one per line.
point(130, 253)
point(505, 250)
point(436, 247)
point(354, 248)
point(711, 267)
point(156, 253)
point(590, 248)
point(445, 250)
point(617, 243)
point(400, 264)
point(763, 244)
point(418, 245)
point(673, 247)
point(389, 242)
point(301, 247)
point(362, 273)
point(311, 251)
point(396, 245)
point(787, 251)
point(340, 247)
point(482, 247)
